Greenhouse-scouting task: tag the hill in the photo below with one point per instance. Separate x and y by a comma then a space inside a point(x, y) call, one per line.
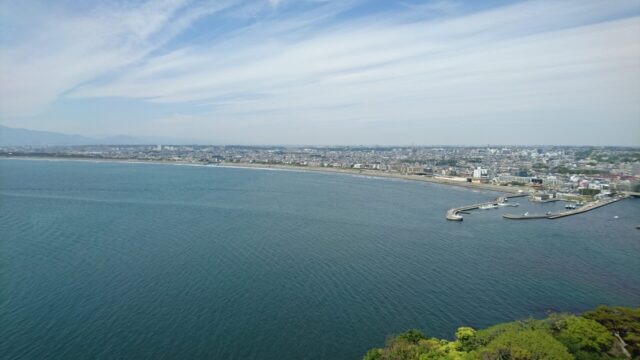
point(603, 333)
point(21, 137)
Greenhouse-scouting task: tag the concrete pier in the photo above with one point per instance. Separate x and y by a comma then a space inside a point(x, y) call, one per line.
point(454, 214)
point(580, 210)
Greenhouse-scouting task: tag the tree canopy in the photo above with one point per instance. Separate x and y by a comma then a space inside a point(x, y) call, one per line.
point(603, 333)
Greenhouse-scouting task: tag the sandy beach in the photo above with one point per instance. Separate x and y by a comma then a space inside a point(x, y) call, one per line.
point(361, 172)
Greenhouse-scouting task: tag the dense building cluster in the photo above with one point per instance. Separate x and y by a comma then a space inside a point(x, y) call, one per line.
point(570, 169)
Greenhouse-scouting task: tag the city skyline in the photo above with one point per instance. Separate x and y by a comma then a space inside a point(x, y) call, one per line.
point(324, 72)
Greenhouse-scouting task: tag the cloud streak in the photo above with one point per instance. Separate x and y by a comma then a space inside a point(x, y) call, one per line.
point(69, 49)
point(318, 63)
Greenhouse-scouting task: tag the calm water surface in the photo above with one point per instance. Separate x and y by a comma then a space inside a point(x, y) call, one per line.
point(133, 261)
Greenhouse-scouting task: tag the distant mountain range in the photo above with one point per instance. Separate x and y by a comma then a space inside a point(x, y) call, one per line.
point(23, 137)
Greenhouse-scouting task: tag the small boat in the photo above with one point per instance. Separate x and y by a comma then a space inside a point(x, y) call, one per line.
point(616, 217)
point(507, 204)
point(526, 214)
point(487, 206)
point(570, 206)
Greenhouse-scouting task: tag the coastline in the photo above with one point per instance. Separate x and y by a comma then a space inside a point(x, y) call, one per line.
point(357, 172)
point(380, 174)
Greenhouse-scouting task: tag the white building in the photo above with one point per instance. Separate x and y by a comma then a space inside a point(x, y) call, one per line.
point(480, 173)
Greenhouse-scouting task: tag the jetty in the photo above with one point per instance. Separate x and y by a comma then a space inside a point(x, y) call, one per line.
point(580, 210)
point(454, 214)
point(524, 217)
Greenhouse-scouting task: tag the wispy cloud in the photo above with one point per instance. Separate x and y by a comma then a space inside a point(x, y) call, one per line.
point(274, 3)
point(381, 62)
point(438, 6)
point(322, 62)
point(68, 49)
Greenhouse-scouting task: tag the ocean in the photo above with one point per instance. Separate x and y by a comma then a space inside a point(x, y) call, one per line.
point(107, 260)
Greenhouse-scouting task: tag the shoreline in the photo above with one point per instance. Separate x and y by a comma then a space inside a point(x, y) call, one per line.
point(357, 172)
point(379, 174)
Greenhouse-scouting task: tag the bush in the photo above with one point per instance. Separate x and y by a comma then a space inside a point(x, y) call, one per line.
point(623, 321)
point(466, 338)
point(558, 337)
point(373, 354)
point(412, 336)
point(584, 335)
point(525, 345)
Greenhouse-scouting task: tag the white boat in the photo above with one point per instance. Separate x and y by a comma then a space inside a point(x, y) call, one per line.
point(487, 206)
point(507, 204)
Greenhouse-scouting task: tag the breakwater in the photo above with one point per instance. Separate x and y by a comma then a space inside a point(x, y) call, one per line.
point(580, 210)
point(454, 213)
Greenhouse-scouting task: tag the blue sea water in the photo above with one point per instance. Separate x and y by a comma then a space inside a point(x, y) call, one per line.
point(143, 261)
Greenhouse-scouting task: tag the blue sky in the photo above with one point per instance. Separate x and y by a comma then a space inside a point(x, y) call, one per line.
point(325, 72)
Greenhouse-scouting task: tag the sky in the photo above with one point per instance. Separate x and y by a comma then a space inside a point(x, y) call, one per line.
point(322, 72)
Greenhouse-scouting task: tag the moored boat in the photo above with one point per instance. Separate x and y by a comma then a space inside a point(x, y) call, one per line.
point(488, 206)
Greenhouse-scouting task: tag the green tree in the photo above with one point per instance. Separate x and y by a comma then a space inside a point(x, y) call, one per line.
point(412, 336)
point(485, 336)
point(373, 354)
point(466, 338)
point(558, 337)
point(584, 338)
point(400, 349)
point(525, 345)
point(620, 320)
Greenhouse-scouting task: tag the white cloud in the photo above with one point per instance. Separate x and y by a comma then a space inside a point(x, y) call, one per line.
point(274, 3)
point(71, 48)
point(411, 70)
point(574, 59)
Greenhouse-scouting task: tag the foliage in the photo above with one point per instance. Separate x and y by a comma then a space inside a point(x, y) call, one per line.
point(466, 338)
point(614, 159)
point(373, 354)
point(583, 337)
point(589, 192)
point(620, 320)
point(565, 170)
point(559, 336)
point(525, 345)
point(412, 336)
point(583, 154)
point(449, 162)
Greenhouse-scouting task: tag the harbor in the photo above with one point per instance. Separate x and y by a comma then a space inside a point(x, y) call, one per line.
point(454, 213)
point(580, 210)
